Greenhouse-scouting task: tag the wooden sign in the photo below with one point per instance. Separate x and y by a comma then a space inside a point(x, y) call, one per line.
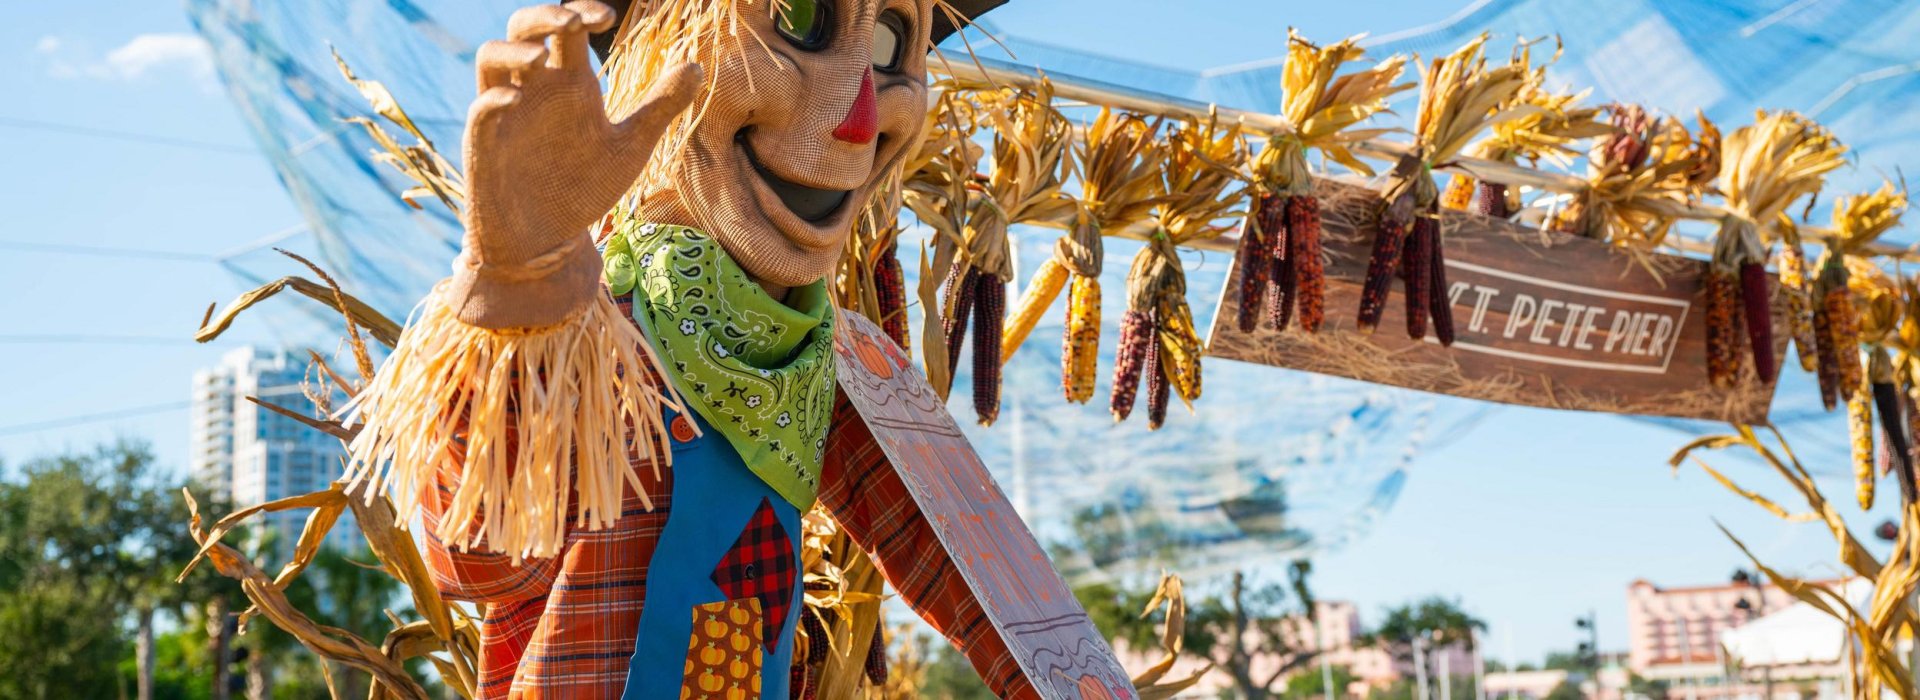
point(1540, 319)
point(1043, 625)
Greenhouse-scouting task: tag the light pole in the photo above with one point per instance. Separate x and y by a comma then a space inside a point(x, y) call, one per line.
point(1754, 611)
point(1590, 649)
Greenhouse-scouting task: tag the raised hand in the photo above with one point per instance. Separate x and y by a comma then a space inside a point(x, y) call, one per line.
point(543, 163)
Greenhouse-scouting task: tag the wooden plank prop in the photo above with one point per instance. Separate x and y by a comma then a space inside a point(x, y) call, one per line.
point(1003, 565)
point(1540, 319)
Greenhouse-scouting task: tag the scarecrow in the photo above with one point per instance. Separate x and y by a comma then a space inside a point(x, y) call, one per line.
point(611, 423)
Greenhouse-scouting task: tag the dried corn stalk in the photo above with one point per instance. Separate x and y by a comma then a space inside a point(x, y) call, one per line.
point(838, 648)
point(1764, 169)
point(1459, 98)
point(1279, 257)
point(1877, 667)
point(445, 636)
point(420, 162)
point(1152, 683)
point(1158, 331)
point(1548, 124)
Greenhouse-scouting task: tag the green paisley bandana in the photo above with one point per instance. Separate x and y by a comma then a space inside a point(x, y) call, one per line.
point(760, 371)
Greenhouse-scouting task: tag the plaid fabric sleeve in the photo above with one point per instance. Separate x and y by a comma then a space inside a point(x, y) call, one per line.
point(475, 575)
point(866, 495)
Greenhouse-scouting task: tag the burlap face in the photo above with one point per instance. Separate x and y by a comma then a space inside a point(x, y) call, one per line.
point(788, 109)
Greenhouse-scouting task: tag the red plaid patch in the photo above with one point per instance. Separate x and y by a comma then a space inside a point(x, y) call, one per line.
point(760, 565)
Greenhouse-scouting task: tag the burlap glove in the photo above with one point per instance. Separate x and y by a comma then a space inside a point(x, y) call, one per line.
point(544, 163)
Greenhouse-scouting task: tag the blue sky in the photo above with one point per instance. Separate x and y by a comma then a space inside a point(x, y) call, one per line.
point(1531, 519)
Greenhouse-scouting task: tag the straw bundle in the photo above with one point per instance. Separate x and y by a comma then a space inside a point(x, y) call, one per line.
point(1279, 256)
point(1157, 335)
point(1459, 98)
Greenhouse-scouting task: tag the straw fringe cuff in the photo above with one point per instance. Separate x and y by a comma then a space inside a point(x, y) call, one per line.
point(545, 414)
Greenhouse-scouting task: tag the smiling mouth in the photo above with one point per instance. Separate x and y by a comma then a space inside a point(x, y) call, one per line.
point(813, 205)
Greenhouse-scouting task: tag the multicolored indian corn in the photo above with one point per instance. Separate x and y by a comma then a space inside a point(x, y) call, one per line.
point(1136, 344)
point(1757, 299)
point(989, 317)
point(1080, 357)
point(1860, 424)
point(890, 289)
point(1380, 272)
point(1723, 342)
point(1303, 253)
point(1419, 278)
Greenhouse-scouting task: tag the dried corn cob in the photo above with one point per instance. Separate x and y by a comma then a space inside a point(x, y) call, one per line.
point(1419, 277)
point(877, 655)
point(1136, 343)
point(1255, 257)
point(1793, 278)
point(1723, 345)
point(816, 637)
point(1158, 388)
point(1080, 357)
point(890, 289)
point(1459, 193)
point(1909, 485)
point(800, 680)
point(1845, 329)
point(1041, 291)
point(989, 317)
point(1442, 308)
point(1860, 424)
point(960, 297)
point(1493, 200)
point(1828, 368)
point(1886, 403)
point(1757, 299)
point(1380, 268)
point(1282, 291)
point(1309, 269)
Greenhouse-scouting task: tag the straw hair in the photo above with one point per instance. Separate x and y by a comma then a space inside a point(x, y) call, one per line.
point(546, 416)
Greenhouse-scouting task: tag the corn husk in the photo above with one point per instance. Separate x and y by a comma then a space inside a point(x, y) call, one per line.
point(1639, 179)
point(1547, 129)
point(1321, 107)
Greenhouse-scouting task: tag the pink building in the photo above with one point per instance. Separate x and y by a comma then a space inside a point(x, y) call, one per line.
point(1674, 633)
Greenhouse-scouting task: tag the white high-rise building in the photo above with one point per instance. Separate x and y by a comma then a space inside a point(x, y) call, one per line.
point(252, 455)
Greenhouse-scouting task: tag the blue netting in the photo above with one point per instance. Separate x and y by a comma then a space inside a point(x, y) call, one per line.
point(1248, 477)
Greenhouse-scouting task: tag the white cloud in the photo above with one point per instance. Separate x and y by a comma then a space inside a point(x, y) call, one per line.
point(144, 56)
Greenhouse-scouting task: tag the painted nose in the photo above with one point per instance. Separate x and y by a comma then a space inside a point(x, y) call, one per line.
point(863, 119)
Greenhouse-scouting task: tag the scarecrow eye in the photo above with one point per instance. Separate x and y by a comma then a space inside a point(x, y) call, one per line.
point(889, 41)
point(802, 22)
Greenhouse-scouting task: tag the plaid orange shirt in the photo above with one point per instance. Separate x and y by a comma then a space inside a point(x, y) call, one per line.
point(565, 627)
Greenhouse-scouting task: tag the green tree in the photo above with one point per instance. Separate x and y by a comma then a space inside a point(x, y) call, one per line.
point(89, 542)
point(1230, 631)
point(1437, 622)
